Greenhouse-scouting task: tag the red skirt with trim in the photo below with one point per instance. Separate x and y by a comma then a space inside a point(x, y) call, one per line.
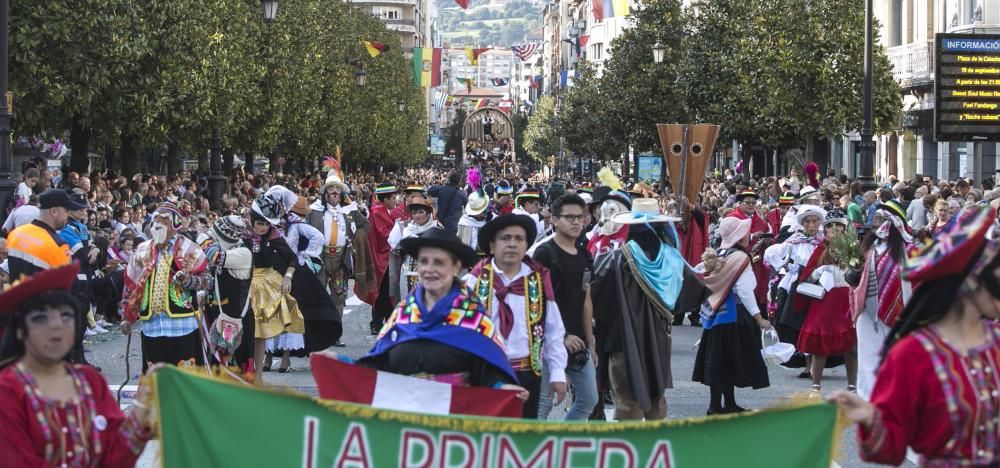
point(828, 329)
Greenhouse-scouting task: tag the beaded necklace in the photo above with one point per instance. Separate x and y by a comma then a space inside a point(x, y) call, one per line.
point(79, 417)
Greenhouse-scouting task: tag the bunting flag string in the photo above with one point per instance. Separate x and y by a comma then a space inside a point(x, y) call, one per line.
point(499, 81)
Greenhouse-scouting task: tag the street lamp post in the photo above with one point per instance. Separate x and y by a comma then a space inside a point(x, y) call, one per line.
point(400, 104)
point(7, 185)
point(216, 181)
point(866, 171)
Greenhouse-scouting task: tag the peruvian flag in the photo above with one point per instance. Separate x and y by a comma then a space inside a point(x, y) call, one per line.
point(343, 381)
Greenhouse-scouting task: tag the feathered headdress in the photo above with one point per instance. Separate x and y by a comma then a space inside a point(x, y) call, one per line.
point(475, 178)
point(333, 162)
point(812, 172)
point(609, 179)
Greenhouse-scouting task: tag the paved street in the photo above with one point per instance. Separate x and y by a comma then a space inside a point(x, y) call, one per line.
point(686, 399)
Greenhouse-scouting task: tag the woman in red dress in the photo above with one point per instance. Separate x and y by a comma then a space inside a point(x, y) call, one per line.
point(828, 329)
point(53, 413)
point(938, 387)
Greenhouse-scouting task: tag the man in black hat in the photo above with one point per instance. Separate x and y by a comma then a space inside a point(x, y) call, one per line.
point(37, 246)
point(517, 292)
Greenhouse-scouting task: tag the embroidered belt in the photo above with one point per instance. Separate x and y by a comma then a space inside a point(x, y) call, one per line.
point(521, 364)
point(333, 249)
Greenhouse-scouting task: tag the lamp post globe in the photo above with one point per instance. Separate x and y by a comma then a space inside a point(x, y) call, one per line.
point(658, 52)
point(360, 75)
point(270, 9)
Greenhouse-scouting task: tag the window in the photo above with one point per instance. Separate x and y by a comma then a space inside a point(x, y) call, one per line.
point(598, 51)
point(386, 13)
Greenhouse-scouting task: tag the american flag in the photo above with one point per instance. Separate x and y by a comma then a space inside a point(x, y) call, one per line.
point(524, 51)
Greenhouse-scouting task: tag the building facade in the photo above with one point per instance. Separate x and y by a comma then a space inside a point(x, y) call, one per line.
point(908, 29)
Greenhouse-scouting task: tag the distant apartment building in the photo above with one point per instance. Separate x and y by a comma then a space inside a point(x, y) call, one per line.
point(410, 19)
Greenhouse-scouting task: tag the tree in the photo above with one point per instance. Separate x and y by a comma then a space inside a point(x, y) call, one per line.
point(540, 136)
point(585, 110)
point(639, 93)
point(780, 72)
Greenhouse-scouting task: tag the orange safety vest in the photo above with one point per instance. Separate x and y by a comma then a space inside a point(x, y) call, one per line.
point(38, 246)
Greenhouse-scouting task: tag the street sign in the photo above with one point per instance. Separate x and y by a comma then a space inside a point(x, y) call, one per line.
point(967, 87)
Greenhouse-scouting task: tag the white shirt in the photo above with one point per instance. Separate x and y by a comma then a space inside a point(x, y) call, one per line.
point(339, 213)
point(315, 247)
point(744, 288)
point(21, 215)
point(553, 350)
point(798, 255)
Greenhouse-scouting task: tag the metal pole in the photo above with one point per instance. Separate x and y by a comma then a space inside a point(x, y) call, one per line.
point(216, 181)
point(7, 185)
point(867, 170)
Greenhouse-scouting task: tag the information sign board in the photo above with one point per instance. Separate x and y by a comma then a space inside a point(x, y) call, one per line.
point(967, 87)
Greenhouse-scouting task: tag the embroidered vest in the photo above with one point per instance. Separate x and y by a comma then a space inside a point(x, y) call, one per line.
point(161, 295)
point(534, 307)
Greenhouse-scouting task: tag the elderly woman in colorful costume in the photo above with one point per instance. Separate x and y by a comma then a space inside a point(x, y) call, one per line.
point(878, 298)
point(790, 259)
point(231, 264)
point(938, 386)
point(161, 285)
point(441, 330)
point(403, 268)
point(275, 309)
point(54, 413)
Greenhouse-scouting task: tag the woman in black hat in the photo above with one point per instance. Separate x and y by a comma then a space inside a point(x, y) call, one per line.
point(441, 330)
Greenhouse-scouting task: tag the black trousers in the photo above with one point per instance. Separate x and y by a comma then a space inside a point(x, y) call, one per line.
point(533, 384)
point(383, 306)
point(177, 350)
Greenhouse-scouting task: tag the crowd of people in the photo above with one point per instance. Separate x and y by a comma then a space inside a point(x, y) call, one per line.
point(554, 290)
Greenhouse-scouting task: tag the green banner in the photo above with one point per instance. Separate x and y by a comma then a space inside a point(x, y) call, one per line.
point(205, 421)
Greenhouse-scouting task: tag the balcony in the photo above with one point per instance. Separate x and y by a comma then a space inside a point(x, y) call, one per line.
point(912, 64)
point(402, 25)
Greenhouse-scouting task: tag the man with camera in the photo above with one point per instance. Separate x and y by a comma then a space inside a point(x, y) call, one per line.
point(570, 269)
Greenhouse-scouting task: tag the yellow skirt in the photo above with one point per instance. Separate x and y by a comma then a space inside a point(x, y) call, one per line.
point(273, 312)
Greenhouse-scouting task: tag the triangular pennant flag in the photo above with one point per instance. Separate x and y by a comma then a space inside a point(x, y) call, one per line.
point(375, 48)
point(462, 3)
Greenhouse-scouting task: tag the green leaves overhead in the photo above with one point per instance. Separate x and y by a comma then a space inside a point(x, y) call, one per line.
point(541, 137)
point(175, 69)
point(775, 72)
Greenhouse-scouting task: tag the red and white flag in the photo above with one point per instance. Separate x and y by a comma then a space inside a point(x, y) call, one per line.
point(343, 381)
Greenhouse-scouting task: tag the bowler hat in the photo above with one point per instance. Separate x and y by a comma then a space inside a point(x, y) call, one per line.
point(442, 239)
point(490, 229)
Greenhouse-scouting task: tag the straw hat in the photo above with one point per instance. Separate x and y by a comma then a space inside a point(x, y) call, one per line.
point(644, 210)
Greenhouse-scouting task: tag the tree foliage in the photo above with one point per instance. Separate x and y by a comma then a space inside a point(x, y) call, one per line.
point(540, 136)
point(170, 71)
point(773, 72)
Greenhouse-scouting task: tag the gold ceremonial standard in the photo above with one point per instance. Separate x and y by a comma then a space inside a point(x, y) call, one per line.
point(687, 149)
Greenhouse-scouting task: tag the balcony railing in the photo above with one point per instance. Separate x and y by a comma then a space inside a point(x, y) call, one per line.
point(912, 64)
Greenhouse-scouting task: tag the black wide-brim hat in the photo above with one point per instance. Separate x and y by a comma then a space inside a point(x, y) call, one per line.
point(442, 239)
point(490, 230)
